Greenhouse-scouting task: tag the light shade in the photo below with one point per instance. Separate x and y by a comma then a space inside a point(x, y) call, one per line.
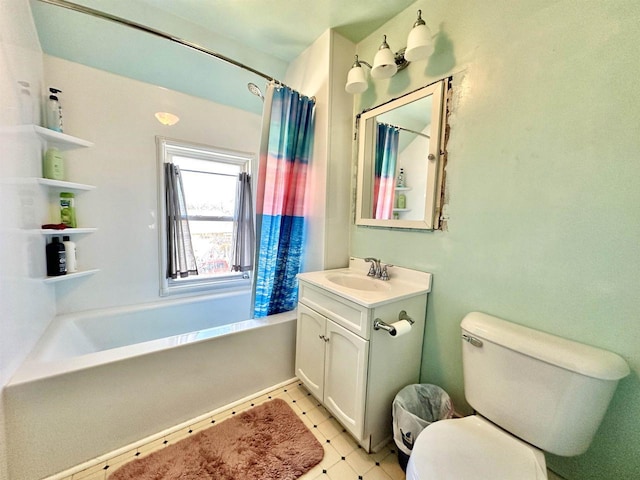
point(419, 42)
point(384, 63)
point(356, 79)
point(166, 118)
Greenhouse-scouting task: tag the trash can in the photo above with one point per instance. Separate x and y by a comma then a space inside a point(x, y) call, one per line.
point(415, 407)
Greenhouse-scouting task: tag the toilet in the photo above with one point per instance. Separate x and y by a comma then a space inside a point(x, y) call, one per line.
point(532, 392)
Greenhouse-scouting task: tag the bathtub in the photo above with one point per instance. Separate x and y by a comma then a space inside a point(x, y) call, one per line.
point(98, 381)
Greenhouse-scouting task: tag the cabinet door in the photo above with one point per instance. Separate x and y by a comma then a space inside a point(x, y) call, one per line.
point(345, 377)
point(310, 348)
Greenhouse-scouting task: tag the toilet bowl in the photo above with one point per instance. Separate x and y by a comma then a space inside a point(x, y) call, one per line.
point(532, 392)
point(472, 448)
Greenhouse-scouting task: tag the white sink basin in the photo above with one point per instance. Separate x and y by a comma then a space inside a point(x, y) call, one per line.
point(353, 283)
point(357, 281)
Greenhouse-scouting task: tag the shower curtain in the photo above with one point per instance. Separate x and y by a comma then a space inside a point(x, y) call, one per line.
point(284, 157)
point(386, 156)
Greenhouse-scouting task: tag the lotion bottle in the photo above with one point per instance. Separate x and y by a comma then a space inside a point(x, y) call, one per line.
point(401, 182)
point(402, 201)
point(70, 252)
point(54, 111)
point(53, 164)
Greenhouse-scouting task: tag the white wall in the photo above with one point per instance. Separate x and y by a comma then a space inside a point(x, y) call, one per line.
point(26, 304)
point(314, 73)
point(116, 113)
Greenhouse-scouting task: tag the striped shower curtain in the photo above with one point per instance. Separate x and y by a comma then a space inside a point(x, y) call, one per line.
point(386, 156)
point(284, 158)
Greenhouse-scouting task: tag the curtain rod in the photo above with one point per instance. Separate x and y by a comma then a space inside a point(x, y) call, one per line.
point(158, 33)
point(412, 131)
point(405, 129)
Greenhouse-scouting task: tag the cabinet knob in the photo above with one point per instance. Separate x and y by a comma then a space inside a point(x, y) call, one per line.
point(322, 337)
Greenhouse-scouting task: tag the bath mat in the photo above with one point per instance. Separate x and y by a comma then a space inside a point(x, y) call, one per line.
point(267, 442)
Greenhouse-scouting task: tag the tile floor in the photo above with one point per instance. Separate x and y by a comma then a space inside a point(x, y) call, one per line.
point(343, 458)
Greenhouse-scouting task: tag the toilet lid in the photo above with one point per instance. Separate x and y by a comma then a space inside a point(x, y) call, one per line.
point(472, 448)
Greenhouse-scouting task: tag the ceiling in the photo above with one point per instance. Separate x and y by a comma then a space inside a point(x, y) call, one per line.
point(283, 28)
point(263, 34)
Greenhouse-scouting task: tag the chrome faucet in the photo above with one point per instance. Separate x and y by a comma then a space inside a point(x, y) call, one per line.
point(384, 275)
point(377, 269)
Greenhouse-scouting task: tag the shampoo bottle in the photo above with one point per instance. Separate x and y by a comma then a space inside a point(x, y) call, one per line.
point(401, 182)
point(54, 111)
point(53, 164)
point(68, 209)
point(70, 252)
point(56, 258)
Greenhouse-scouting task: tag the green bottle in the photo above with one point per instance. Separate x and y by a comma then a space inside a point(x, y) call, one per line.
point(402, 201)
point(53, 164)
point(68, 209)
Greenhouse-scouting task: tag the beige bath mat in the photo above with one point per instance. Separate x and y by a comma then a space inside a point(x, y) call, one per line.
point(267, 442)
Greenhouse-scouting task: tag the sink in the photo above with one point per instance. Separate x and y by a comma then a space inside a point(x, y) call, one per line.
point(357, 282)
point(353, 283)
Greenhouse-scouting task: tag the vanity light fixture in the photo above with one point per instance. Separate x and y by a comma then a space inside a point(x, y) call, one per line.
point(166, 118)
point(386, 64)
point(419, 43)
point(357, 77)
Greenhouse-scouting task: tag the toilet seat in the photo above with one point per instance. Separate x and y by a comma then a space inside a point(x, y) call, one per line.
point(472, 448)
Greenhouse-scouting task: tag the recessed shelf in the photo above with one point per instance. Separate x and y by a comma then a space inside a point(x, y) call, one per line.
point(402, 189)
point(64, 184)
point(401, 210)
point(70, 276)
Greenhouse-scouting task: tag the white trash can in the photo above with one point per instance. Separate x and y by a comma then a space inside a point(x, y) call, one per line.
point(415, 407)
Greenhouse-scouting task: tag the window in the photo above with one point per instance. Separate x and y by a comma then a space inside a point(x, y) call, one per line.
point(210, 179)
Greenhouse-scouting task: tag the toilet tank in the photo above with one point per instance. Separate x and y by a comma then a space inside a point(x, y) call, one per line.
point(546, 390)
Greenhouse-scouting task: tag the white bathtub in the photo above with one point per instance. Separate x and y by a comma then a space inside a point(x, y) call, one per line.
point(101, 380)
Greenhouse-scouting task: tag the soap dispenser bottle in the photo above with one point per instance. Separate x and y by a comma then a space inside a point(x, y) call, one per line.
point(54, 111)
point(401, 182)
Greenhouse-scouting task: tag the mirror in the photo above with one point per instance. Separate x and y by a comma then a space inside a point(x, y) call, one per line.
point(399, 161)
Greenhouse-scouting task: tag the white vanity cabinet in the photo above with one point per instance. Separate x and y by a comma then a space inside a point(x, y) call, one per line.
point(332, 362)
point(352, 369)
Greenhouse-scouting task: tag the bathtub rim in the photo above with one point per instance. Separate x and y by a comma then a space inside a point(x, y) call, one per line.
point(33, 369)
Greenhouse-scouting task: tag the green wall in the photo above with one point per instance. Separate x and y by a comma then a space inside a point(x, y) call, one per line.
point(542, 188)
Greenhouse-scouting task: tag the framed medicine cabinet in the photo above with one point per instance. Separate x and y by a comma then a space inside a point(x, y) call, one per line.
point(400, 161)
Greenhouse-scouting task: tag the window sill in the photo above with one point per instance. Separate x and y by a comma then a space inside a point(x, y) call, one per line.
point(204, 287)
